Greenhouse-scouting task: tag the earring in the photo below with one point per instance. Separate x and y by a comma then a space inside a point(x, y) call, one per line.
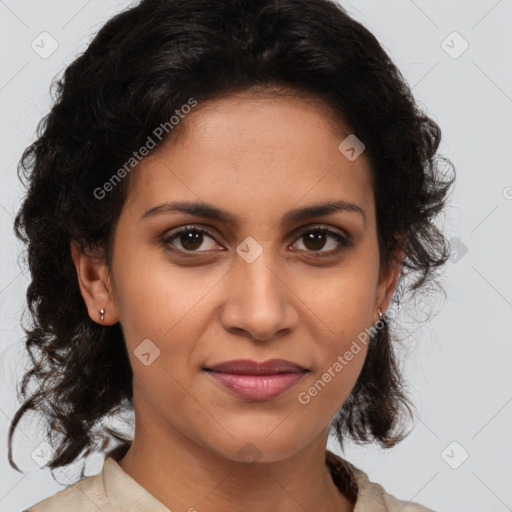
point(380, 313)
point(102, 313)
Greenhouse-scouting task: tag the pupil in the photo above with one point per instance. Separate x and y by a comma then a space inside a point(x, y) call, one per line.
point(316, 238)
point(192, 237)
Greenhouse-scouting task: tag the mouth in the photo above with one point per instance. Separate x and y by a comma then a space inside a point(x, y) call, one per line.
point(249, 367)
point(254, 380)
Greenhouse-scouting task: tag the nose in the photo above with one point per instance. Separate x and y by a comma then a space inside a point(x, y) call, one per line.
point(260, 303)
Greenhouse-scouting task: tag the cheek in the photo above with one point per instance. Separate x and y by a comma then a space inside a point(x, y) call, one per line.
point(343, 304)
point(324, 393)
point(343, 310)
point(157, 299)
point(163, 311)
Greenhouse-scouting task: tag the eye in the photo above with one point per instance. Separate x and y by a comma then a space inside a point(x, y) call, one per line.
point(191, 238)
point(317, 238)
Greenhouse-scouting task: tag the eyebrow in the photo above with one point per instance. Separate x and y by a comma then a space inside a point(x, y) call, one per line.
point(209, 211)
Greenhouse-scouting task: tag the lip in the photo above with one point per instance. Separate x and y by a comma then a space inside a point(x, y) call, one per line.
point(250, 367)
point(254, 380)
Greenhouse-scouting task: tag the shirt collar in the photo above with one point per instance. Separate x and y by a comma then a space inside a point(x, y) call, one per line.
point(127, 494)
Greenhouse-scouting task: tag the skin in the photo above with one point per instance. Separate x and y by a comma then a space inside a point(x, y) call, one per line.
point(256, 158)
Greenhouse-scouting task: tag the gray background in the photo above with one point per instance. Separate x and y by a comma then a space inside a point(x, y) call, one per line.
point(458, 364)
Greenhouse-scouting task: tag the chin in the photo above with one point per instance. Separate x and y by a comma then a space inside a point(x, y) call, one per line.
point(253, 449)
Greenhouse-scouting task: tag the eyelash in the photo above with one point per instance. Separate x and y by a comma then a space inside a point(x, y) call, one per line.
point(344, 241)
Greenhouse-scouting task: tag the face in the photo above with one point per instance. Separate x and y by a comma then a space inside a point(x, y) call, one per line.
point(193, 290)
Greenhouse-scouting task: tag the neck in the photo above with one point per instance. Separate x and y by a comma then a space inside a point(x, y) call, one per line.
point(184, 475)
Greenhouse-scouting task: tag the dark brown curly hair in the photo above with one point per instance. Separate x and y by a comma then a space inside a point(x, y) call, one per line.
point(145, 63)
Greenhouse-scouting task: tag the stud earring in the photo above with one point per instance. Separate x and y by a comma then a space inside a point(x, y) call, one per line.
point(380, 313)
point(102, 313)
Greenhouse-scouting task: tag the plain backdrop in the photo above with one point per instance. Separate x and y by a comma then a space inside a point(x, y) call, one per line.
point(457, 57)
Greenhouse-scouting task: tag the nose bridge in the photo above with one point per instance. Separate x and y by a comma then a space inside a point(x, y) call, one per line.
point(258, 280)
point(257, 301)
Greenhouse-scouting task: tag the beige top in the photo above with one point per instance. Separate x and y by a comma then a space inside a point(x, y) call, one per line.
point(113, 490)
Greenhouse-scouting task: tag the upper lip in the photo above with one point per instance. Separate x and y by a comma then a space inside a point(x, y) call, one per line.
point(249, 367)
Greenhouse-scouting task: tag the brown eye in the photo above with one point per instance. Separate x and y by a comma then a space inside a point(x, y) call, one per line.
point(314, 240)
point(191, 239)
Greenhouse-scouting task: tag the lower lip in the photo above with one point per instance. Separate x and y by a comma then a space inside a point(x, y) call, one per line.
point(257, 387)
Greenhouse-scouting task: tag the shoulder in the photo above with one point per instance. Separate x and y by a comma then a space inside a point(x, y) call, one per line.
point(83, 496)
point(371, 496)
point(376, 493)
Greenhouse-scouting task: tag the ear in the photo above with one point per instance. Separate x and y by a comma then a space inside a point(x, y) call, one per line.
point(95, 284)
point(388, 281)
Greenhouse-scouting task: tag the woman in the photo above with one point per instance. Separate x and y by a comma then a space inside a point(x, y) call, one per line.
point(221, 205)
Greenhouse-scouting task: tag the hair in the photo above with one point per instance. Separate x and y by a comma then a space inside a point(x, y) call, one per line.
point(143, 65)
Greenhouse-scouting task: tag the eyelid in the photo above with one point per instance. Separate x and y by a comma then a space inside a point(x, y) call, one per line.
point(296, 233)
point(189, 227)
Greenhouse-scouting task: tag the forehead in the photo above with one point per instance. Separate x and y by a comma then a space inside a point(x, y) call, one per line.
point(254, 153)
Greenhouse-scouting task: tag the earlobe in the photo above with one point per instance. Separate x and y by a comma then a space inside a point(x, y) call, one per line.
point(94, 282)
